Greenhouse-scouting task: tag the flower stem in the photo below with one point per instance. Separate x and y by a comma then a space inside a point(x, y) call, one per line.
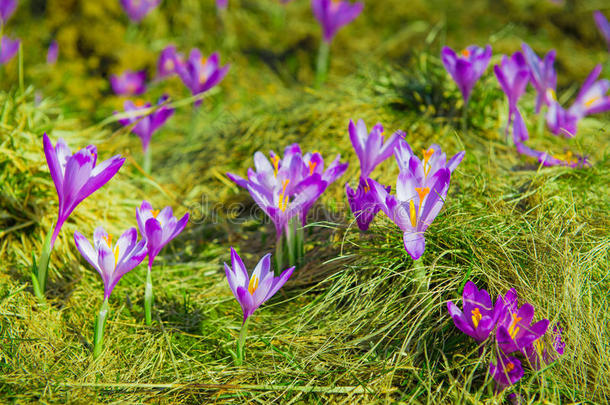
point(465, 116)
point(279, 255)
point(300, 241)
point(322, 63)
point(148, 298)
point(290, 241)
point(98, 335)
point(541, 121)
point(21, 85)
point(420, 277)
point(40, 269)
point(241, 342)
point(147, 160)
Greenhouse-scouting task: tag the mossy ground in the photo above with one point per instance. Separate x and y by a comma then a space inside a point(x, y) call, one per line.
point(350, 326)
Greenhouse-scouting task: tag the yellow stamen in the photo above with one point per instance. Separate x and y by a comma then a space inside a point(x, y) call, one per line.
point(283, 202)
point(551, 93)
point(510, 367)
point(476, 317)
point(513, 329)
point(275, 160)
point(567, 157)
point(366, 188)
point(253, 285)
point(592, 100)
point(539, 344)
point(108, 240)
point(312, 167)
point(422, 192)
point(413, 215)
point(465, 53)
point(116, 255)
point(154, 213)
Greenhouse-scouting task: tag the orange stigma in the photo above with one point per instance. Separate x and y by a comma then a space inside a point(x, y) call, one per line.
point(253, 285)
point(465, 53)
point(510, 367)
point(154, 213)
point(202, 76)
point(476, 317)
point(108, 240)
point(422, 192)
point(169, 64)
point(312, 167)
point(427, 155)
point(139, 102)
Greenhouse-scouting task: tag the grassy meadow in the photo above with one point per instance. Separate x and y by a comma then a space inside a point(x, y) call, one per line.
point(351, 325)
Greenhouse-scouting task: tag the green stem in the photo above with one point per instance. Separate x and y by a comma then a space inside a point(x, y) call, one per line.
point(300, 243)
point(98, 336)
point(147, 160)
point(465, 116)
point(40, 269)
point(21, 85)
point(420, 276)
point(279, 255)
point(322, 63)
point(290, 241)
point(241, 342)
point(148, 298)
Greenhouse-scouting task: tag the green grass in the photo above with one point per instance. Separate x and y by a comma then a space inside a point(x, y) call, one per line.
point(351, 325)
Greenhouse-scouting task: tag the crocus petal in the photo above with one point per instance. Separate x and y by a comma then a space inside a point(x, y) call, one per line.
point(415, 244)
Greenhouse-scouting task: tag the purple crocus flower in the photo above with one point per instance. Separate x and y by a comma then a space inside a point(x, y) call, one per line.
point(506, 371)
point(251, 291)
point(603, 25)
point(76, 176)
point(593, 97)
point(513, 75)
point(288, 187)
point(146, 125)
point(222, 4)
point(370, 147)
point(52, 53)
point(158, 227)
point(200, 74)
point(334, 14)
point(137, 9)
point(542, 73)
point(434, 159)
point(112, 262)
point(8, 49)
point(7, 8)
point(371, 151)
point(129, 83)
point(515, 329)
point(363, 203)
point(539, 355)
point(413, 208)
point(169, 61)
point(467, 68)
point(479, 316)
point(521, 134)
point(559, 120)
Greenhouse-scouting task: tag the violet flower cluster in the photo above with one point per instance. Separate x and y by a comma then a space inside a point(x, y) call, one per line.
point(519, 340)
point(285, 189)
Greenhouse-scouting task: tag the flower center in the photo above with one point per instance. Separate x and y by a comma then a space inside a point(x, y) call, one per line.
point(551, 93)
point(108, 240)
point(513, 329)
point(567, 157)
point(139, 103)
point(131, 87)
point(202, 76)
point(476, 317)
point(465, 53)
point(592, 101)
point(253, 285)
point(427, 155)
point(510, 367)
point(169, 65)
point(283, 202)
point(154, 213)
